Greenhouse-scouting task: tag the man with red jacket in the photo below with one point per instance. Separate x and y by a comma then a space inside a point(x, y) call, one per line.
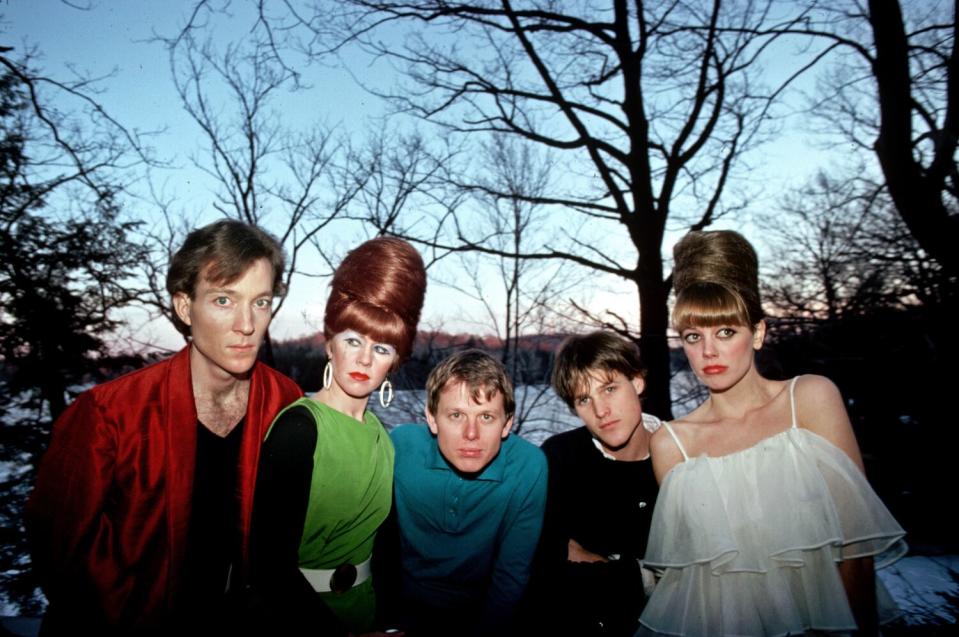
point(140, 516)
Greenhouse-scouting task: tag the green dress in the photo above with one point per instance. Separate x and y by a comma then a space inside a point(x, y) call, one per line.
point(350, 496)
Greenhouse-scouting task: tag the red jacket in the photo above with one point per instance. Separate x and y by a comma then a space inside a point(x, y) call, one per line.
point(109, 516)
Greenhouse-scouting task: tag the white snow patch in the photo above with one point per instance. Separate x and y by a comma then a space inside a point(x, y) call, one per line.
point(924, 587)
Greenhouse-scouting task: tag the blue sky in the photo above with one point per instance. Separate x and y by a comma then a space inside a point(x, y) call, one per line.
point(114, 39)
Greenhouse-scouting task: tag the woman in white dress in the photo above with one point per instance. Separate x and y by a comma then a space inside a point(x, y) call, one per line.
point(765, 523)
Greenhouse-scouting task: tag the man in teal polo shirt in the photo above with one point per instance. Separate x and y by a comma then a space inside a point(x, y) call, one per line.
point(468, 507)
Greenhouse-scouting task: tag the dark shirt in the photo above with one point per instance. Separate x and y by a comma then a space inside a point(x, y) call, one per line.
point(285, 602)
point(212, 540)
point(606, 506)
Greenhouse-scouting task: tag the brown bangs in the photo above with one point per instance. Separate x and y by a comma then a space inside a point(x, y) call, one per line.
point(380, 325)
point(708, 305)
point(579, 380)
point(225, 271)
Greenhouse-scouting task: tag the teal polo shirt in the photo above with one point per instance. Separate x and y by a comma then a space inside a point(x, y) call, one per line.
point(467, 541)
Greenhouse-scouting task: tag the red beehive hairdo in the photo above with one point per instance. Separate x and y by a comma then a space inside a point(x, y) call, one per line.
point(378, 291)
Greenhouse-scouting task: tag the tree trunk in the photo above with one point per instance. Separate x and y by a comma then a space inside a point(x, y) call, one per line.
point(54, 393)
point(266, 351)
point(917, 196)
point(653, 322)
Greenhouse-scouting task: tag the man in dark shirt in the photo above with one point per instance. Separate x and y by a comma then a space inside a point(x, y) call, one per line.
point(587, 577)
point(140, 516)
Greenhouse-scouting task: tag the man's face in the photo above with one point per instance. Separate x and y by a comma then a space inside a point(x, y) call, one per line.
point(228, 321)
point(469, 433)
point(610, 408)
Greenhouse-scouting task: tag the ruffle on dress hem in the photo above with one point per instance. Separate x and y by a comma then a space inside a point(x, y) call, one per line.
point(748, 542)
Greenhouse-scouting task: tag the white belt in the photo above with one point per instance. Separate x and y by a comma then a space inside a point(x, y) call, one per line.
point(320, 578)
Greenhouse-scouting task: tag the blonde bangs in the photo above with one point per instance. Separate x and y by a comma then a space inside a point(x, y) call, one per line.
point(709, 305)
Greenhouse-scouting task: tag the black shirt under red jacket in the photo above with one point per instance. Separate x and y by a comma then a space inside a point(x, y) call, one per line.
point(605, 505)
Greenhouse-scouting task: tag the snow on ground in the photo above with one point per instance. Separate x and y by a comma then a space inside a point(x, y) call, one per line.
point(10, 470)
point(926, 588)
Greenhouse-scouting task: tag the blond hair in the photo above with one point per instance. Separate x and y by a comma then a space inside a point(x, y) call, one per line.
point(484, 376)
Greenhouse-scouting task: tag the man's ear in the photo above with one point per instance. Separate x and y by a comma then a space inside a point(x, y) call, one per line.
point(759, 335)
point(181, 305)
point(430, 419)
point(639, 383)
point(507, 427)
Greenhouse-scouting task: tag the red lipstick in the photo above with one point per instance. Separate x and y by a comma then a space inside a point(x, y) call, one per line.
point(360, 376)
point(714, 369)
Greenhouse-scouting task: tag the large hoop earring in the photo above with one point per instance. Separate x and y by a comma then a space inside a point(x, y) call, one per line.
point(328, 375)
point(387, 386)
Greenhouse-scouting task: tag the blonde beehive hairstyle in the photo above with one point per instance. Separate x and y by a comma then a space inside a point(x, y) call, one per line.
point(716, 279)
point(378, 291)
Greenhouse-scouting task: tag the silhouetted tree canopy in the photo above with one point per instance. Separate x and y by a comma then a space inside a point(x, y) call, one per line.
point(63, 272)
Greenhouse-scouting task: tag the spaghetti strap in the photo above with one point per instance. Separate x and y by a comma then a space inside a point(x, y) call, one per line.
point(676, 440)
point(792, 400)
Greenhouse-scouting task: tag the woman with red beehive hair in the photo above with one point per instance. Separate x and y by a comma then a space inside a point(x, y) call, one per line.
point(326, 471)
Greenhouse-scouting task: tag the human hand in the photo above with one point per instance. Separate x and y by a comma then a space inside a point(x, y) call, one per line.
point(576, 553)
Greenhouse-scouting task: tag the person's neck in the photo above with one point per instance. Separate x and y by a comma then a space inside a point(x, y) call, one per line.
point(220, 398)
point(214, 384)
point(751, 393)
point(342, 402)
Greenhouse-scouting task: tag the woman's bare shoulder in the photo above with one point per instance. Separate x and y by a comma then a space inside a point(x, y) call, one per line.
point(661, 440)
point(820, 408)
point(819, 403)
point(814, 386)
point(664, 450)
point(663, 446)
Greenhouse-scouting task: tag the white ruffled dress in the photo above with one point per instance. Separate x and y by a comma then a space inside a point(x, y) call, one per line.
point(748, 542)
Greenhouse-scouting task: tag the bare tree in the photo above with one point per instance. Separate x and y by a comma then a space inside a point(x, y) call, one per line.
point(399, 174)
point(650, 105)
point(292, 183)
point(66, 263)
point(518, 296)
point(894, 92)
point(839, 250)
